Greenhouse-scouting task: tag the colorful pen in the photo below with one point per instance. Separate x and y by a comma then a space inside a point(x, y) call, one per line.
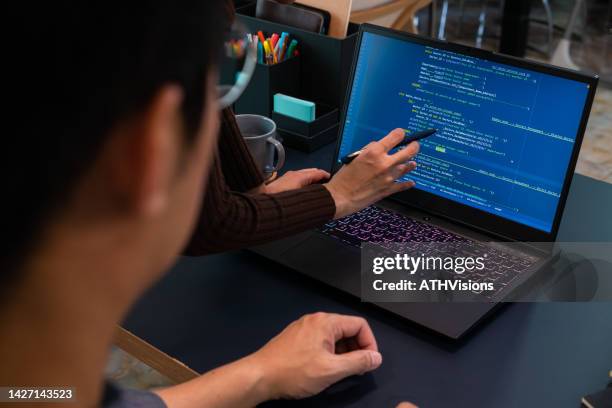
point(292, 48)
point(274, 40)
point(282, 46)
point(260, 52)
point(275, 49)
point(267, 49)
point(262, 39)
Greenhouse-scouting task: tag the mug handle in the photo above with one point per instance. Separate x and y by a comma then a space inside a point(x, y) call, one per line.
point(280, 151)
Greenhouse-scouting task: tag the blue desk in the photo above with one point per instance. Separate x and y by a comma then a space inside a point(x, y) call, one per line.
point(209, 311)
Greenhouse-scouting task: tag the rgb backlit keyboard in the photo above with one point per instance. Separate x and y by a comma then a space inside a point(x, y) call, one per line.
point(387, 228)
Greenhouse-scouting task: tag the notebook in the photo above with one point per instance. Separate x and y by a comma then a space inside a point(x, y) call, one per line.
point(340, 11)
point(298, 17)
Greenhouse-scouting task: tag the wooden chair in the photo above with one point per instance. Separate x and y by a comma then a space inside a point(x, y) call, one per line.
point(407, 9)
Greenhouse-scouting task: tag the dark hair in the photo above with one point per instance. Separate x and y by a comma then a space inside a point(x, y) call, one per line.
point(82, 67)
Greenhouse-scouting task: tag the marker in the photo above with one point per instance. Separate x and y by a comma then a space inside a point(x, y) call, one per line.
point(268, 51)
point(279, 46)
point(260, 52)
point(292, 48)
point(266, 45)
point(274, 40)
point(262, 39)
point(273, 43)
point(283, 46)
point(282, 38)
point(407, 140)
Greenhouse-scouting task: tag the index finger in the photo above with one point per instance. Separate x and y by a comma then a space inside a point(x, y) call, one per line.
point(354, 327)
point(392, 139)
point(316, 175)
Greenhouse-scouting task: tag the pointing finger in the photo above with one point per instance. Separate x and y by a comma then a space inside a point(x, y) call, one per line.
point(393, 139)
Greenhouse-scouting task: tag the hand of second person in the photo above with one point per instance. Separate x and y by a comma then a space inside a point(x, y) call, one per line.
point(293, 180)
point(372, 176)
point(315, 352)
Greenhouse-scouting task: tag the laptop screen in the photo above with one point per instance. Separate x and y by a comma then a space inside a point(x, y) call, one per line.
point(505, 134)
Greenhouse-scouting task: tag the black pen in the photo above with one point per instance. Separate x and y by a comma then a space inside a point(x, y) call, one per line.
point(407, 140)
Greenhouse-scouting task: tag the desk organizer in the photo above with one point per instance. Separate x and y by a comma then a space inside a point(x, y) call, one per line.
point(309, 144)
point(267, 81)
point(326, 61)
point(309, 136)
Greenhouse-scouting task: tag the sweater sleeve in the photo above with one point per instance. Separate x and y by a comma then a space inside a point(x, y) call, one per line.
point(237, 164)
point(231, 220)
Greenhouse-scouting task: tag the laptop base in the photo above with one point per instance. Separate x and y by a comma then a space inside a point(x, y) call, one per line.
point(337, 264)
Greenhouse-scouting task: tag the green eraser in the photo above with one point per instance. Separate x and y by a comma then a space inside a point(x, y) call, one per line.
point(294, 107)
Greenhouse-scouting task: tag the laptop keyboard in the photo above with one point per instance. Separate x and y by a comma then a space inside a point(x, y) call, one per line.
point(387, 228)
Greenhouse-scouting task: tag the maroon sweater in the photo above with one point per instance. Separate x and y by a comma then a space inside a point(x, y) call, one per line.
point(231, 218)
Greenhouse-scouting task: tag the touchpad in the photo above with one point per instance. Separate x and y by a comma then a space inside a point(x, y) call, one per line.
point(327, 260)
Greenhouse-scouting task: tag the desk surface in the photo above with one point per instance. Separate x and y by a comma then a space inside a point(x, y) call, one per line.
point(209, 311)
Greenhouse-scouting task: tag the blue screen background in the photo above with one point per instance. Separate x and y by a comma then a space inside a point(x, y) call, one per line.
point(505, 134)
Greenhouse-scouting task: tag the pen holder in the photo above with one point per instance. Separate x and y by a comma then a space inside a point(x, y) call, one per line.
point(267, 81)
point(309, 136)
point(326, 61)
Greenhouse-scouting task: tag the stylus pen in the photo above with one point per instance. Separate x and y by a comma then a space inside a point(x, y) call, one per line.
point(407, 140)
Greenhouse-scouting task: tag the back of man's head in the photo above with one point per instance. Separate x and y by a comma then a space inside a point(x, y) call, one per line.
point(82, 68)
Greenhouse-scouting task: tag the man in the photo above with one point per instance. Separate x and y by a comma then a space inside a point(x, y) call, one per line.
point(103, 180)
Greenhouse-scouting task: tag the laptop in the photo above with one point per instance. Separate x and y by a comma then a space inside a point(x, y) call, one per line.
point(497, 171)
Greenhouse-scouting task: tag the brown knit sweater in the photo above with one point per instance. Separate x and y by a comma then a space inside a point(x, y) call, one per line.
point(231, 218)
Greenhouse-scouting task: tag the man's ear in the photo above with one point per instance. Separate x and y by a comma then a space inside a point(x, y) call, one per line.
point(147, 152)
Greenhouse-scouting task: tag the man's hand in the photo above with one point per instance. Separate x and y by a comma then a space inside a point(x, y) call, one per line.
point(315, 352)
point(372, 176)
point(293, 180)
point(304, 359)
